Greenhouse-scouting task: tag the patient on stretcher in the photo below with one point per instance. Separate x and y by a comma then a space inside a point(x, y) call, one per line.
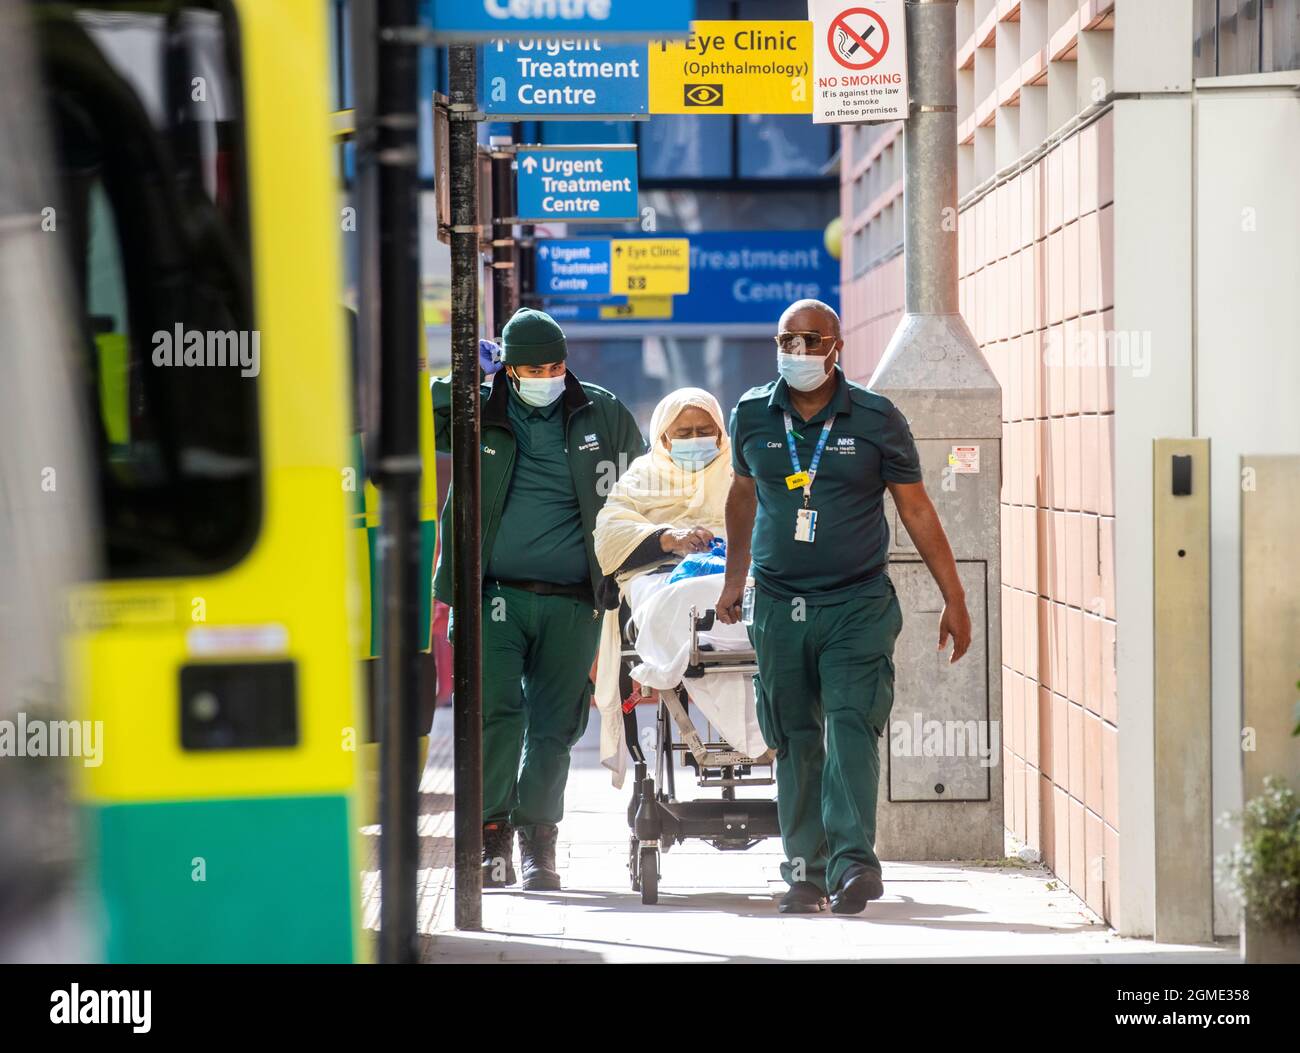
point(670, 504)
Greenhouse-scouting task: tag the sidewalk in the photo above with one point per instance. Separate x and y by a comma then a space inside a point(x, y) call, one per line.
point(721, 907)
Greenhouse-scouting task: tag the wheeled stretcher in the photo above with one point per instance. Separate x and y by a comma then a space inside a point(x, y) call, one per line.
point(657, 819)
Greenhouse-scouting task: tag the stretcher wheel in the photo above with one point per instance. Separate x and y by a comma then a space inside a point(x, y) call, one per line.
point(649, 876)
point(632, 865)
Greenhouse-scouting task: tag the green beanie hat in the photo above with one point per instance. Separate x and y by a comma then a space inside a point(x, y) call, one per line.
point(532, 338)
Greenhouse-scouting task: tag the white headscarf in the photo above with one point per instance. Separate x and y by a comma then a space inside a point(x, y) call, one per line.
point(652, 494)
point(655, 492)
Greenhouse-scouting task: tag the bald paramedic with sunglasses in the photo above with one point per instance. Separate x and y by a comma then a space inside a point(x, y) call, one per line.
point(813, 454)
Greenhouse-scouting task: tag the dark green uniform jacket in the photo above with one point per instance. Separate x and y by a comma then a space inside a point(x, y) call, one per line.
point(601, 440)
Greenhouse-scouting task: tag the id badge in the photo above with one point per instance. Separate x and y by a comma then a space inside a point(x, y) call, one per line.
point(797, 480)
point(805, 524)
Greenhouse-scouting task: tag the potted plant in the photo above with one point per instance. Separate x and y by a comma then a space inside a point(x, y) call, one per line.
point(1264, 871)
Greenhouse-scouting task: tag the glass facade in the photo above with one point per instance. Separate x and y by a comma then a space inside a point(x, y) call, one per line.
point(1246, 36)
point(782, 147)
point(881, 236)
point(680, 149)
point(642, 370)
point(677, 148)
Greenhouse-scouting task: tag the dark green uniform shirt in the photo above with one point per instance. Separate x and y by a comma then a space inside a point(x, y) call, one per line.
point(869, 444)
point(540, 537)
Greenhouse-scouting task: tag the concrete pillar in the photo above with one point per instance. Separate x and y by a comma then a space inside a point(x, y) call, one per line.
point(944, 803)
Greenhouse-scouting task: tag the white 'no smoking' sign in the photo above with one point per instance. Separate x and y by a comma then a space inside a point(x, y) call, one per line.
point(859, 60)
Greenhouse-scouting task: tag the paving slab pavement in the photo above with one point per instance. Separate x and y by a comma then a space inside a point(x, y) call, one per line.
point(721, 906)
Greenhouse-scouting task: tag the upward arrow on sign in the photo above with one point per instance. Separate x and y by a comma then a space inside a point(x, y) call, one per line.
point(530, 164)
point(543, 251)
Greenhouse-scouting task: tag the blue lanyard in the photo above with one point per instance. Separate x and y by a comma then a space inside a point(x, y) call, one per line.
point(817, 453)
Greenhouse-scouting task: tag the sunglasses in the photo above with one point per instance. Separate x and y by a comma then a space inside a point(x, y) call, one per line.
point(798, 343)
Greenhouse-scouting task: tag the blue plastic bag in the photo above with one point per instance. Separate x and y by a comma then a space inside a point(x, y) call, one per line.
point(698, 564)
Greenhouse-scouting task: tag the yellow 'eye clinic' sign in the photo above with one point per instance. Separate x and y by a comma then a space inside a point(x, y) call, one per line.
point(650, 266)
point(733, 67)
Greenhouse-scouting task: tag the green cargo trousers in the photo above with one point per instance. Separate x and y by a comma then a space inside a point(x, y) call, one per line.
point(537, 655)
point(825, 688)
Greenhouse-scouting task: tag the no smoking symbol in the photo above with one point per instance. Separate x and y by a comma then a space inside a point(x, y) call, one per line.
point(858, 44)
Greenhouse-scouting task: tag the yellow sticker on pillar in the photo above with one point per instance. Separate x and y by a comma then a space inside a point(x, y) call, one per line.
point(733, 67)
point(650, 267)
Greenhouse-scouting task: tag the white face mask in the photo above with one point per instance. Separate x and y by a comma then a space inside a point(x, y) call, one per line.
point(694, 454)
point(540, 391)
point(802, 372)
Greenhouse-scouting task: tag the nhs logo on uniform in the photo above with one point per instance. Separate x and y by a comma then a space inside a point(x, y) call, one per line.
point(589, 438)
point(845, 445)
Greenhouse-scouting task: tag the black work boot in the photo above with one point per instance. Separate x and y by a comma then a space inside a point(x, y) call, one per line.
point(537, 857)
point(498, 854)
point(803, 898)
point(859, 887)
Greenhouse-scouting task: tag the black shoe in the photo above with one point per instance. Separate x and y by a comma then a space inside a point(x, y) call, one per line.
point(860, 886)
point(803, 898)
point(498, 855)
point(537, 857)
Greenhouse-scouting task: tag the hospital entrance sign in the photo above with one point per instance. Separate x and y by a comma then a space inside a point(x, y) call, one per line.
point(751, 276)
point(586, 183)
point(650, 266)
point(572, 268)
point(473, 21)
point(733, 67)
point(618, 266)
point(562, 80)
point(737, 277)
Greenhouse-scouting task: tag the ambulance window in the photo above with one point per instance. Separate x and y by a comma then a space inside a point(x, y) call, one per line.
point(150, 207)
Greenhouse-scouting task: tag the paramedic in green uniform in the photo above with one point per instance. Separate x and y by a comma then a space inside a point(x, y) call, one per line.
point(813, 454)
point(552, 448)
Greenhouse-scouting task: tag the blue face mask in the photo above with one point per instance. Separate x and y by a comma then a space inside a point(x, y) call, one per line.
point(540, 391)
point(802, 372)
point(694, 454)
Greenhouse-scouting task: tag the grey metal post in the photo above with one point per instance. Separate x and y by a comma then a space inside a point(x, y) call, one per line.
point(398, 476)
point(944, 807)
point(363, 19)
point(467, 599)
point(930, 150)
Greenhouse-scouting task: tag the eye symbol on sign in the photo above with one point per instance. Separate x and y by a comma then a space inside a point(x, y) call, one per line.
point(703, 94)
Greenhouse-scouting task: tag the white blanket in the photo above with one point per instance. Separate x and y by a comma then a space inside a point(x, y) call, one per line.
point(661, 613)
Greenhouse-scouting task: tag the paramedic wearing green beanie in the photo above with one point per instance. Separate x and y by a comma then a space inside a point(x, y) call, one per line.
point(552, 447)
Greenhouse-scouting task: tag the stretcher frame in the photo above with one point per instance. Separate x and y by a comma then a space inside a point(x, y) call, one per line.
point(656, 819)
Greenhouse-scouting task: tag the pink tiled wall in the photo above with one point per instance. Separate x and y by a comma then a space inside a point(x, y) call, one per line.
point(1037, 290)
point(872, 306)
